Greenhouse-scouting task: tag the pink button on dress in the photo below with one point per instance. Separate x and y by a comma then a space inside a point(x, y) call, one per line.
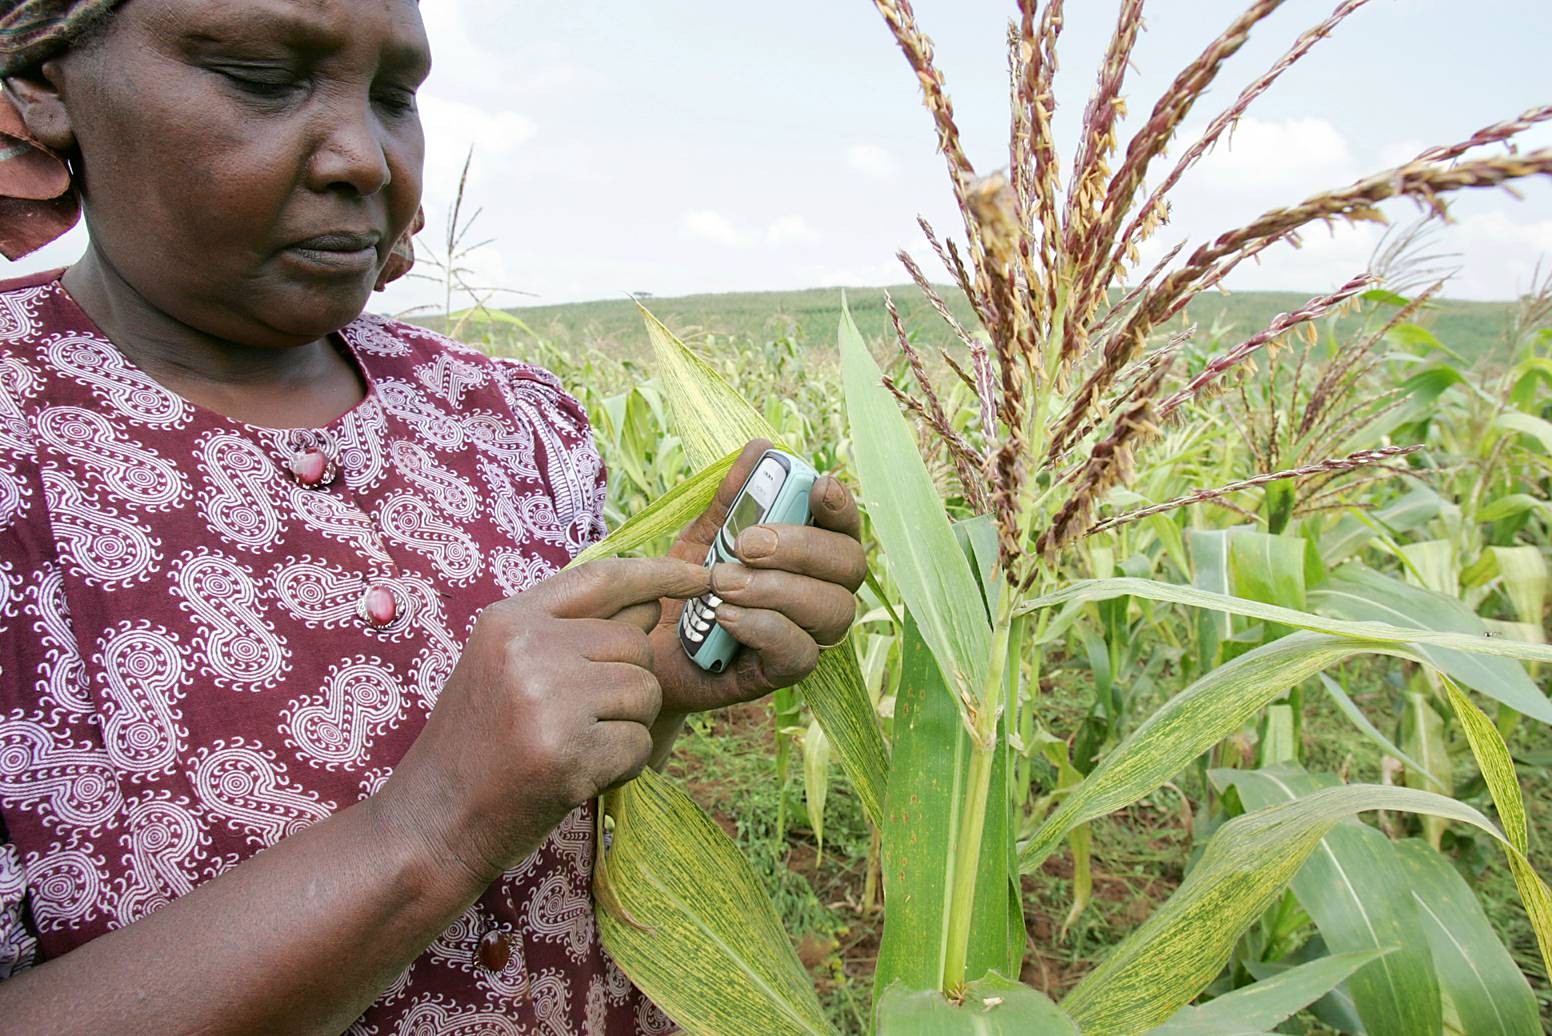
point(214, 634)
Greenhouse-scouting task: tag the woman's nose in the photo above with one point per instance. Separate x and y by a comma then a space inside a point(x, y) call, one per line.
point(351, 152)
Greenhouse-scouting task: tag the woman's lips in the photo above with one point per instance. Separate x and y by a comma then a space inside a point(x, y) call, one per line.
point(338, 252)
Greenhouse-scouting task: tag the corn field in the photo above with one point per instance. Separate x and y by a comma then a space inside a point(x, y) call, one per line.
point(1285, 588)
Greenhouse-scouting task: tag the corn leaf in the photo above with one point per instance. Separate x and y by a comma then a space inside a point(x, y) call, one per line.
point(1243, 869)
point(1230, 695)
point(1350, 709)
point(930, 765)
point(1497, 767)
point(1267, 568)
point(713, 420)
point(931, 572)
point(1424, 734)
point(709, 415)
point(1259, 1006)
point(1186, 726)
point(816, 781)
point(1354, 531)
point(1335, 1010)
point(1485, 993)
point(1529, 425)
point(838, 697)
point(666, 515)
point(1358, 593)
point(1199, 933)
point(1432, 565)
point(1512, 506)
point(992, 1006)
point(1524, 573)
point(1210, 572)
point(1106, 589)
point(679, 909)
point(1227, 697)
point(1279, 739)
point(687, 920)
point(1354, 888)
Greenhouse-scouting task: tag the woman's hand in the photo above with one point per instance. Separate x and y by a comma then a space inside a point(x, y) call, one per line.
point(550, 704)
point(793, 595)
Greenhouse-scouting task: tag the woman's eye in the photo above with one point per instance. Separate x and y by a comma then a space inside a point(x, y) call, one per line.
point(263, 83)
point(396, 100)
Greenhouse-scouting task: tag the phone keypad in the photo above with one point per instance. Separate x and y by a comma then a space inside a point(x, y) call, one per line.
point(698, 617)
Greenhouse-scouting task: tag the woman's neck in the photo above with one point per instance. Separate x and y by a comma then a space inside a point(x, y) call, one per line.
point(305, 385)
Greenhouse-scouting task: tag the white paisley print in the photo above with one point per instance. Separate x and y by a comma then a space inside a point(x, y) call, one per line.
point(189, 671)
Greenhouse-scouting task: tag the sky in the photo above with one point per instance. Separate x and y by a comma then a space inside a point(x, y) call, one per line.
point(681, 146)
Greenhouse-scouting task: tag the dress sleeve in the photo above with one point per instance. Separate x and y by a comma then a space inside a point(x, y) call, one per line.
point(571, 461)
point(18, 947)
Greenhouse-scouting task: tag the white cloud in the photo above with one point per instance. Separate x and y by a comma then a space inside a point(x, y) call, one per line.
point(1400, 151)
point(450, 123)
point(709, 225)
point(452, 128)
point(790, 230)
point(1325, 258)
point(1289, 155)
point(560, 77)
point(1501, 251)
point(873, 161)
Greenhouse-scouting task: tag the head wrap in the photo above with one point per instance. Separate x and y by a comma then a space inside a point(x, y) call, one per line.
point(39, 201)
point(32, 31)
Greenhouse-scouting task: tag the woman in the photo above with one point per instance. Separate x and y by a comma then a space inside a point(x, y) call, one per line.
point(299, 726)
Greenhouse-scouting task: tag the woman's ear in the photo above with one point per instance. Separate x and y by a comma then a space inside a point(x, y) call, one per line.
point(37, 97)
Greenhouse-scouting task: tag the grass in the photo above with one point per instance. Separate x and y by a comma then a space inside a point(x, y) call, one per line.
point(614, 327)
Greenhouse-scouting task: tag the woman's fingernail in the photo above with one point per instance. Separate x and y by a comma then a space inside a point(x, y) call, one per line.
point(727, 613)
point(834, 494)
point(757, 542)
point(728, 579)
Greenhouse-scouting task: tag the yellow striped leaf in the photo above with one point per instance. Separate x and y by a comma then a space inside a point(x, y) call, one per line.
point(1105, 589)
point(1497, 767)
point(687, 920)
point(713, 420)
point(709, 415)
point(1174, 954)
point(1187, 725)
point(667, 514)
point(679, 910)
point(1354, 888)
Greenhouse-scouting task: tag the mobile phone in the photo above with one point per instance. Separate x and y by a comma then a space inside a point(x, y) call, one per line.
point(776, 493)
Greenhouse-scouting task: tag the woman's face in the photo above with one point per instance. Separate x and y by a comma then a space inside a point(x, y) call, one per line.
point(249, 164)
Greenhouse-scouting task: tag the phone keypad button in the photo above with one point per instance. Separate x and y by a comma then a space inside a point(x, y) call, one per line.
point(697, 618)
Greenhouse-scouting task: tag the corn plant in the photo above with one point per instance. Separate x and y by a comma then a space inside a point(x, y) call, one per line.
point(1071, 383)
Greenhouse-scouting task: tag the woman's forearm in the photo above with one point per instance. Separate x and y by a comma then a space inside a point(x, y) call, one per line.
point(301, 938)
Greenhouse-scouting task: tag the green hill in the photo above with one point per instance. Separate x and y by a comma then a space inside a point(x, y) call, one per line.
point(810, 315)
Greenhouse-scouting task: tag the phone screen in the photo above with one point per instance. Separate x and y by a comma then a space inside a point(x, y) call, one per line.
point(748, 511)
point(755, 501)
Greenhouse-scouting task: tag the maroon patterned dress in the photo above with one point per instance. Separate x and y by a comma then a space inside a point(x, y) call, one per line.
point(214, 634)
